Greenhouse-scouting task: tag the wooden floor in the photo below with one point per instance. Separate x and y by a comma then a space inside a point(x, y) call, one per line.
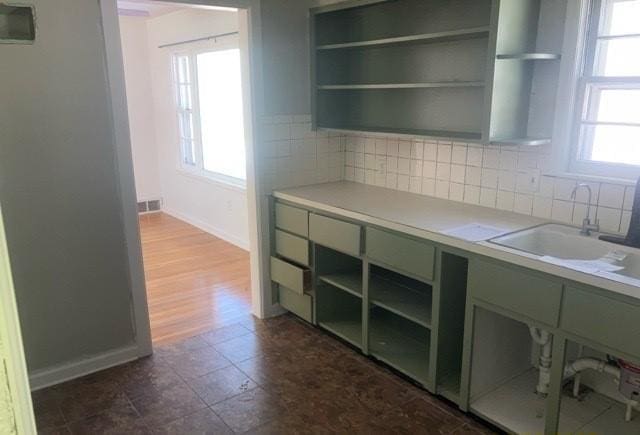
point(195, 281)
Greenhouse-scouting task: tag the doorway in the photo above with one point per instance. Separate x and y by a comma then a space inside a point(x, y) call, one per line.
point(184, 76)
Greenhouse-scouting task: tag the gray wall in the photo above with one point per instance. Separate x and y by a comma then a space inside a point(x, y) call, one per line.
point(285, 42)
point(59, 189)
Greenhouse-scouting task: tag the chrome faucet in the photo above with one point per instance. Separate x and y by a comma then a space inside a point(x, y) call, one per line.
point(587, 226)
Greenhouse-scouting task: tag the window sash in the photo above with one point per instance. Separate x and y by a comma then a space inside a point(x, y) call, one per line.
point(589, 81)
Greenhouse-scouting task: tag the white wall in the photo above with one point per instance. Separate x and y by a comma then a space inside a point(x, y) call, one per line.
point(135, 53)
point(60, 191)
point(217, 208)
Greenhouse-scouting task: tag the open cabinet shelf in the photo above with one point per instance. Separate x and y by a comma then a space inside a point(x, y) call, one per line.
point(413, 304)
point(528, 56)
point(461, 135)
point(403, 345)
point(523, 141)
point(349, 281)
point(451, 35)
point(452, 84)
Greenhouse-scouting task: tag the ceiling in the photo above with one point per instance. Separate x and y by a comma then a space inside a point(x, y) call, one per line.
point(146, 8)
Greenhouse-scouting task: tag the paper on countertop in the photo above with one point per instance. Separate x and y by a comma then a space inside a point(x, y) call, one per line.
point(475, 232)
point(586, 266)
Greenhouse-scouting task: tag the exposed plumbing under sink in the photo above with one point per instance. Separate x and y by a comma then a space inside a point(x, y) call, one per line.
point(625, 374)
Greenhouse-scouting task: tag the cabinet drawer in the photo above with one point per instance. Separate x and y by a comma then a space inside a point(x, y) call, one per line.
point(515, 290)
point(299, 304)
point(401, 253)
point(332, 233)
point(295, 278)
point(292, 247)
point(601, 319)
point(294, 220)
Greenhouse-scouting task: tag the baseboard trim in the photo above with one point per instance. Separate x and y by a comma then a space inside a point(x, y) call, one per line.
point(65, 372)
point(204, 226)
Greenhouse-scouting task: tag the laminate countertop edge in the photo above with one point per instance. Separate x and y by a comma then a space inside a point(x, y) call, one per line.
point(330, 198)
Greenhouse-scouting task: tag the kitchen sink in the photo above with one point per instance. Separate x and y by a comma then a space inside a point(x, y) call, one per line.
point(565, 246)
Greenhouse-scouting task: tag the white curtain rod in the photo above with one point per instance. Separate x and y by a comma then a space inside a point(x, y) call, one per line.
point(206, 38)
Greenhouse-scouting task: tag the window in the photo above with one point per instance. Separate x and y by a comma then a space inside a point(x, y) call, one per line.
point(608, 124)
point(210, 113)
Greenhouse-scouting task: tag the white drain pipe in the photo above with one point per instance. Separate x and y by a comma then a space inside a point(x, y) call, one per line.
point(543, 338)
point(582, 364)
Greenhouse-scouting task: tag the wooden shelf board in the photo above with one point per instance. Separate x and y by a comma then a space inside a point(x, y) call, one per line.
point(525, 141)
point(424, 38)
point(529, 56)
point(406, 131)
point(348, 330)
point(401, 352)
point(350, 282)
point(425, 85)
point(400, 300)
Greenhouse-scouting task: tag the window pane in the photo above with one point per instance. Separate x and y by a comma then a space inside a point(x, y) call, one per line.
point(188, 151)
point(611, 143)
point(184, 97)
point(614, 105)
point(618, 57)
point(221, 117)
point(621, 17)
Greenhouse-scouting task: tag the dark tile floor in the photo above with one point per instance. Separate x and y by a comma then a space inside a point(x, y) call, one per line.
point(279, 376)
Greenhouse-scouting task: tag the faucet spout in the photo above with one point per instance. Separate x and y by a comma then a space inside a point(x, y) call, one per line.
point(587, 226)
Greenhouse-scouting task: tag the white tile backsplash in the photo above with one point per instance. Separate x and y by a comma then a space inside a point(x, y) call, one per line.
point(508, 177)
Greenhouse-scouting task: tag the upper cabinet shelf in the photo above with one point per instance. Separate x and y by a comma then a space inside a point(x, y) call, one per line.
point(475, 70)
point(426, 85)
point(425, 38)
point(529, 56)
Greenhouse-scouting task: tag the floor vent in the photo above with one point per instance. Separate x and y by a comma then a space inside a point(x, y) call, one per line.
point(150, 206)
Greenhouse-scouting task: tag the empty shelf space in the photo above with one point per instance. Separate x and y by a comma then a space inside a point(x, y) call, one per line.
point(449, 386)
point(524, 141)
point(348, 330)
point(426, 85)
point(394, 346)
point(472, 136)
point(350, 281)
point(529, 56)
point(515, 407)
point(424, 38)
point(404, 301)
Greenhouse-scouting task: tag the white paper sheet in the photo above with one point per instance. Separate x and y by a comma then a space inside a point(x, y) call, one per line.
point(475, 232)
point(586, 266)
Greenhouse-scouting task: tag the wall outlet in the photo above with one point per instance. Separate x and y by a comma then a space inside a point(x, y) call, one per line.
point(529, 181)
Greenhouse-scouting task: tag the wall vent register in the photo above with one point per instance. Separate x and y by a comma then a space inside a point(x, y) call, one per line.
point(17, 24)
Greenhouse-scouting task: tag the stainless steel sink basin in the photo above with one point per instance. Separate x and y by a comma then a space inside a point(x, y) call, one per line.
point(561, 242)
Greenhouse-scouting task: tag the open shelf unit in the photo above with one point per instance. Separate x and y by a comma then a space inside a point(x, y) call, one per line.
point(338, 293)
point(402, 296)
point(476, 70)
point(435, 37)
point(528, 56)
point(399, 343)
point(412, 66)
point(340, 313)
point(349, 281)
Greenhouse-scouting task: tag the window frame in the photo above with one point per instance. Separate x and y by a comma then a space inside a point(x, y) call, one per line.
point(198, 170)
point(586, 40)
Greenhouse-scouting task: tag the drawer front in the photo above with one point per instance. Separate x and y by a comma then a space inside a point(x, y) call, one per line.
point(515, 290)
point(300, 305)
point(294, 220)
point(295, 278)
point(415, 257)
point(292, 247)
point(606, 321)
point(332, 233)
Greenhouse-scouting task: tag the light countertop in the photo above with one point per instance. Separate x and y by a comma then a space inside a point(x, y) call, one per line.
point(430, 218)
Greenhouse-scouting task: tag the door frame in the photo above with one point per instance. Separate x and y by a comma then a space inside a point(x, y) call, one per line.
point(12, 359)
point(257, 202)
